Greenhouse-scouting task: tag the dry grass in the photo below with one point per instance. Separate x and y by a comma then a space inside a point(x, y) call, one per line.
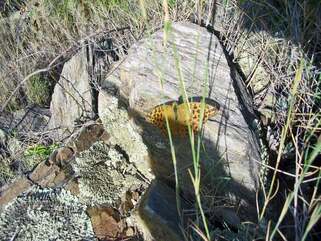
point(34, 37)
point(277, 45)
point(38, 39)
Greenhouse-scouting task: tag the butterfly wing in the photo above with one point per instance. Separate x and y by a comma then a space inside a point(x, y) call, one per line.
point(157, 116)
point(180, 116)
point(196, 112)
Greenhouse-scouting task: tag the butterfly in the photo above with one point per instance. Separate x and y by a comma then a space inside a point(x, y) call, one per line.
point(181, 114)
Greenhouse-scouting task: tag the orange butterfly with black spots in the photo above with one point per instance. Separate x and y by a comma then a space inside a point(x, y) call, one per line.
point(181, 114)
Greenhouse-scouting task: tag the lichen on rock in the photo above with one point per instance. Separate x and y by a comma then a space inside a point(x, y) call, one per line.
point(124, 133)
point(104, 175)
point(45, 214)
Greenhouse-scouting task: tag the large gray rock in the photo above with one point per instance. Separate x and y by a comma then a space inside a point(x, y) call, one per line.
point(149, 76)
point(158, 210)
point(248, 41)
point(123, 133)
point(72, 97)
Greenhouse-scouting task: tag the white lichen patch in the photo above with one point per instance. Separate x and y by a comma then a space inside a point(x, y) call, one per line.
point(123, 133)
point(45, 214)
point(104, 175)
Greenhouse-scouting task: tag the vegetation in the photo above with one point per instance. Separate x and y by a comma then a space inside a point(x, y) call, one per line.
point(276, 45)
point(36, 85)
point(40, 150)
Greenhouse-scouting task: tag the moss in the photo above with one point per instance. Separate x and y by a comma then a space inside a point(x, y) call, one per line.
point(35, 154)
point(46, 214)
point(22, 162)
point(39, 90)
point(39, 149)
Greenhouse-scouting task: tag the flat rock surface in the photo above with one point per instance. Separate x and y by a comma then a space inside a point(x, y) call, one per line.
point(10, 192)
point(72, 97)
point(153, 74)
